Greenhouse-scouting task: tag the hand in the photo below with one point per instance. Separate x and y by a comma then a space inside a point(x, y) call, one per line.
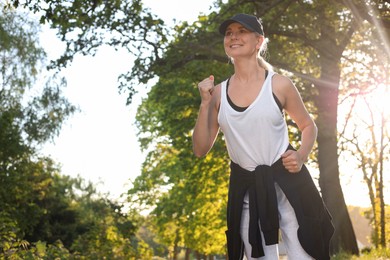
point(206, 88)
point(292, 161)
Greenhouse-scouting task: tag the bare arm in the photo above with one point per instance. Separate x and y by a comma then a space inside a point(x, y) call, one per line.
point(206, 126)
point(294, 106)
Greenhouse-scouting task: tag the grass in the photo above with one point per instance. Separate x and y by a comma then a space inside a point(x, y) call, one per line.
point(374, 254)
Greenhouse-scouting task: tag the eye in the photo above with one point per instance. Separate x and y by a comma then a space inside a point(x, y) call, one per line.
point(244, 30)
point(228, 33)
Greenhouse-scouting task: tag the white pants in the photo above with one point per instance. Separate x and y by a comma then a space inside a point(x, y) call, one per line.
point(288, 225)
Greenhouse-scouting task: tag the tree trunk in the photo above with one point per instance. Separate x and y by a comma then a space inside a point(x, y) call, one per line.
point(188, 253)
point(344, 238)
point(381, 195)
point(175, 246)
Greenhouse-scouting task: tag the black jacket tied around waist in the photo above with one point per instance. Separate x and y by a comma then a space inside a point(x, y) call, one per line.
point(315, 227)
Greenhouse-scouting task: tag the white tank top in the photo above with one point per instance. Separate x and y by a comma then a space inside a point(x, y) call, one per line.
point(258, 135)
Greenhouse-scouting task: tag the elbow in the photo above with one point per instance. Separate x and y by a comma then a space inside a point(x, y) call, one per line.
point(199, 148)
point(309, 128)
point(197, 153)
point(309, 124)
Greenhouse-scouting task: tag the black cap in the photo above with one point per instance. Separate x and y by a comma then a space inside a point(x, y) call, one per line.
point(250, 22)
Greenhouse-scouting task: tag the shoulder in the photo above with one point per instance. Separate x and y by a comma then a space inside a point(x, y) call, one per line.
point(281, 81)
point(283, 88)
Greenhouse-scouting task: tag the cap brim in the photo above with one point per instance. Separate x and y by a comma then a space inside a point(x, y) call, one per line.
point(225, 24)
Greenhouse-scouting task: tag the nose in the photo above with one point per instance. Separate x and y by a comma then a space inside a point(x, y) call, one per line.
point(233, 35)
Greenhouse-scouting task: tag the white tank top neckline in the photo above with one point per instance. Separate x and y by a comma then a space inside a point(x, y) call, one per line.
point(258, 135)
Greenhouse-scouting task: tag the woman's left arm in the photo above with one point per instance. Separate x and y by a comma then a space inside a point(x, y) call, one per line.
point(294, 106)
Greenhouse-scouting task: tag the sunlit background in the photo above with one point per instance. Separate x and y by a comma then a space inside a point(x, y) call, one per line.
point(100, 142)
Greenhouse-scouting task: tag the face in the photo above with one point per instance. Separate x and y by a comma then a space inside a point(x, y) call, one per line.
point(239, 41)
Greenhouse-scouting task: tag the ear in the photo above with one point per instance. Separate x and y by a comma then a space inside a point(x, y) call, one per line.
point(260, 40)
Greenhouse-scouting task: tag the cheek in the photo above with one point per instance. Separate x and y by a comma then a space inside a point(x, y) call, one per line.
point(226, 45)
point(225, 42)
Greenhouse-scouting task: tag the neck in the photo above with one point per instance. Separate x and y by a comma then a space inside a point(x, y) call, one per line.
point(246, 71)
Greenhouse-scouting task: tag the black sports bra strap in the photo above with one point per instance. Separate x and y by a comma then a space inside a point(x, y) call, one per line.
point(241, 109)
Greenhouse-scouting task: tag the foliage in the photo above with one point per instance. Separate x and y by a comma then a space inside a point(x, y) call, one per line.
point(378, 254)
point(376, 232)
point(365, 133)
point(109, 232)
point(46, 215)
point(86, 25)
point(27, 119)
point(188, 191)
point(306, 44)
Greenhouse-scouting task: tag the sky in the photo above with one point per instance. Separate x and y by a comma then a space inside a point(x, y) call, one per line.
point(99, 143)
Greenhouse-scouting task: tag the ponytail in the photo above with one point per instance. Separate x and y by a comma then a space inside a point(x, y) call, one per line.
point(263, 63)
point(261, 54)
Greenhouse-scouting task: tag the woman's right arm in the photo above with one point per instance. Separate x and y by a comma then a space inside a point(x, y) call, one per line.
point(206, 126)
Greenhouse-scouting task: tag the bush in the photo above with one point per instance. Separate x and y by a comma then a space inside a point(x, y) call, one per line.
point(366, 254)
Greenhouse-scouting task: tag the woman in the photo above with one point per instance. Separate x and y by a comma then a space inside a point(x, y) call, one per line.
point(270, 187)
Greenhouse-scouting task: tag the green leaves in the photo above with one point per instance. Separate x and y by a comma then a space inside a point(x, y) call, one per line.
point(187, 195)
point(84, 26)
point(307, 39)
point(45, 215)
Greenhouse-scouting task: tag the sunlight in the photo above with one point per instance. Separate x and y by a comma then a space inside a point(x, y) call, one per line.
point(382, 33)
point(363, 120)
point(372, 105)
point(378, 100)
point(381, 97)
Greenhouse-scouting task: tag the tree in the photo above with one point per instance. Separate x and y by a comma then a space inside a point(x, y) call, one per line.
point(43, 213)
point(85, 25)
point(103, 229)
point(366, 137)
point(187, 196)
point(365, 131)
point(310, 47)
point(319, 31)
point(368, 150)
point(27, 119)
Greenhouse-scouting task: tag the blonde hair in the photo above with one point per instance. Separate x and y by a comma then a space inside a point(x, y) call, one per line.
point(262, 52)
